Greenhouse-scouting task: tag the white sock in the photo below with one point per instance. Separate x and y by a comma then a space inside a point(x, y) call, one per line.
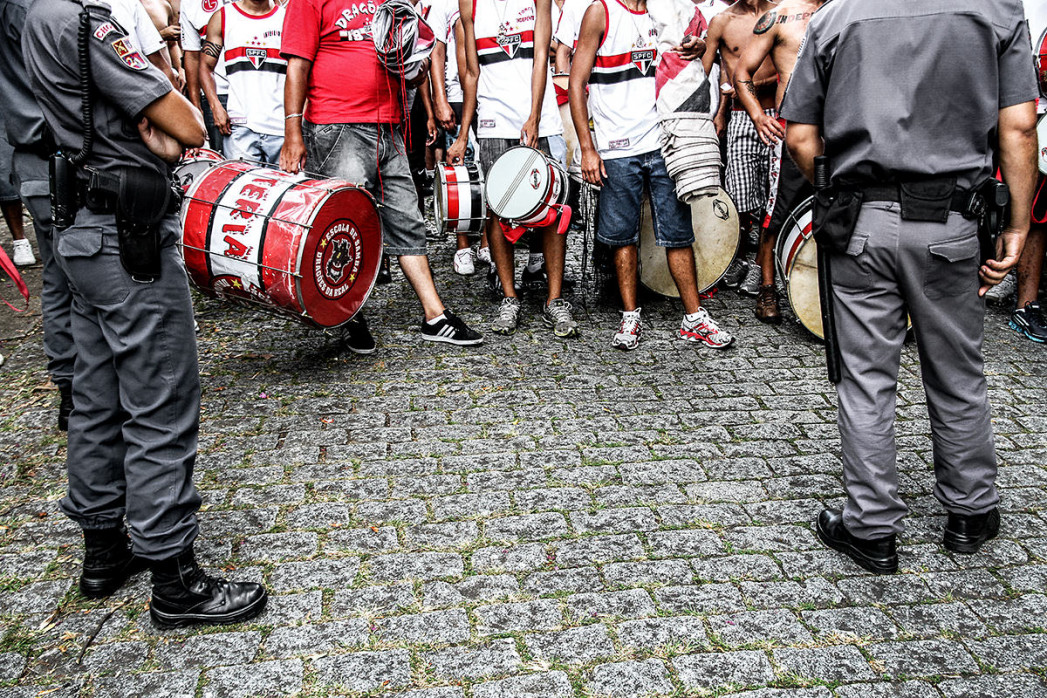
point(692, 317)
point(436, 319)
point(535, 260)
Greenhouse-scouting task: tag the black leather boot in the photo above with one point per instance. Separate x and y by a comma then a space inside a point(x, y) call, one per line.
point(108, 562)
point(184, 594)
point(965, 534)
point(65, 407)
point(878, 555)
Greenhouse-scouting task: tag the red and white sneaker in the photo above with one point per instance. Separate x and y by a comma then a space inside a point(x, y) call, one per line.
point(700, 327)
point(628, 335)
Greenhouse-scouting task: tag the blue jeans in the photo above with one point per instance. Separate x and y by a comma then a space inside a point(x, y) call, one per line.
point(621, 200)
point(246, 144)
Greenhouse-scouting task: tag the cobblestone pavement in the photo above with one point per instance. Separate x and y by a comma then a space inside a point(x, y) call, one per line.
point(534, 517)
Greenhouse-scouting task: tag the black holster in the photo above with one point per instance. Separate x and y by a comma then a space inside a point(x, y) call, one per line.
point(143, 199)
point(63, 191)
point(834, 217)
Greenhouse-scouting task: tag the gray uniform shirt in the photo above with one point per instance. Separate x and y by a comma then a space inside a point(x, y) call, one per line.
point(123, 83)
point(22, 116)
point(905, 89)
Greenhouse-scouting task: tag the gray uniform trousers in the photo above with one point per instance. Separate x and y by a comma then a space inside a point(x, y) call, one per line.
point(931, 270)
point(31, 175)
point(136, 391)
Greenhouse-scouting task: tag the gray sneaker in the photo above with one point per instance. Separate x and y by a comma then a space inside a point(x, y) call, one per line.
point(1003, 290)
point(508, 317)
point(557, 315)
point(750, 286)
point(735, 273)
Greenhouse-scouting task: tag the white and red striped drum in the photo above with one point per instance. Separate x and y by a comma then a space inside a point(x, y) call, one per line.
point(527, 189)
point(1041, 137)
point(190, 167)
point(459, 204)
point(797, 258)
point(1041, 63)
point(308, 248)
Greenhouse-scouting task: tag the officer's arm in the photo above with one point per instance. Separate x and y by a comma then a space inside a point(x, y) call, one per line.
point(805, 144)
point(176, 117)
point(1017, 131)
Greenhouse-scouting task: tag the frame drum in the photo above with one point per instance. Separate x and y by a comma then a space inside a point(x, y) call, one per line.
point(716, 241)
point(308, 248)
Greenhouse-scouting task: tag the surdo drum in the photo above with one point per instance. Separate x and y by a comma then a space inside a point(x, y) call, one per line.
point(308, 248)
point(796, 256)
point(459, 204)
point(190, 167)
point(527, 189)
point(1041, 138)
point(716, 240)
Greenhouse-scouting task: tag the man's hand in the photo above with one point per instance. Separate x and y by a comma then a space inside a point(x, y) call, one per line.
point(444, 115)
point(455, 155)
point(1008, 249)
point(221, 119)
point(529, 132)
point(771, 132)
point(292, 155)
point(159, 143)
point(171, 33)
point(593, 170)
point(430, 128)
point(720, 124)
point(691, 49)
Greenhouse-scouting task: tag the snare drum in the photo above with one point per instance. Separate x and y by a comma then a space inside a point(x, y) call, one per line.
point(527, 189)
point(716, 241)
point(308, 248)
point(191, 167)
point(459, 204)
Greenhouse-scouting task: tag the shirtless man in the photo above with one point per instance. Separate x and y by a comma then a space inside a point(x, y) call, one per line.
point(165, 18)
point(749, 160)
point(778, 35)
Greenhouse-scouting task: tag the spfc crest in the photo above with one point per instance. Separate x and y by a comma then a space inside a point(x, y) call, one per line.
point(642, 59)
point(256, 56)
point(510, 43)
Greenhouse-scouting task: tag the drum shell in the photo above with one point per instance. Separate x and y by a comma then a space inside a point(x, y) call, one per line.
point(1041, 138)
point(190, 167)
point(459, 203)
point(305, 248)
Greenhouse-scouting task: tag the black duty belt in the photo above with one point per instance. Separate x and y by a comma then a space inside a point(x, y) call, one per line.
point(889, 192)
point(95, 199)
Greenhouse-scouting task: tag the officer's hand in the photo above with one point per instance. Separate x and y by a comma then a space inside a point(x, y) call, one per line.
point(1008, 249)
point(292, 155)
point(221, 119)
point(456, 153)
point(593, 170)
point(159, 143)
point(771, 132)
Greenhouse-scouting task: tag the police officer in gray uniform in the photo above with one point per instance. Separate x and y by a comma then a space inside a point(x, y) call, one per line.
point(27, 133)
point(910, 102)
point(133, 431)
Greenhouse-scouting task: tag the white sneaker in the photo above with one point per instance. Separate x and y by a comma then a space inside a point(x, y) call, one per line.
point(1, 359)
point(628, 335)
point(463, 261)
point(750, 285)
point(702, 328)
point(1003, 290)
point(484, 255)
point(23, 253)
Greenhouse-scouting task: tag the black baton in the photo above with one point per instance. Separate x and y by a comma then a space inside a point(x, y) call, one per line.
point(825, 281)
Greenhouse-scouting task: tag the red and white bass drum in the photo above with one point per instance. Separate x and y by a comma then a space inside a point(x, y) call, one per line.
point(1041, 138)
point(191, 166)
point(527, 189)
point(307, 248)
point(459, 204)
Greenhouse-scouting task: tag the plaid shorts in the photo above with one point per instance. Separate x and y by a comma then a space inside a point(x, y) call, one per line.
point(748, 163)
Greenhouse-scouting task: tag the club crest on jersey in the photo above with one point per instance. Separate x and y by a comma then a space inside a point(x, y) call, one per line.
point(642, 59)
point(510, 43)
point(256, 56)
point(129, 54)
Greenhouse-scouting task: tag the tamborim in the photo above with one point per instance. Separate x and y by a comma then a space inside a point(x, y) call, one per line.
point(715, 222)
point(309, 248)
point(458, 198)
point(526, 189)
point(192, 166)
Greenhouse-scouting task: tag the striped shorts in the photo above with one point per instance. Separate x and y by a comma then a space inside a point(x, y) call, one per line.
point(748, 164)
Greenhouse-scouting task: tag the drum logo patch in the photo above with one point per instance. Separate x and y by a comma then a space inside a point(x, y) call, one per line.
point(338, 260)
point(642, 59)
point(536, 179)
point(720, 210)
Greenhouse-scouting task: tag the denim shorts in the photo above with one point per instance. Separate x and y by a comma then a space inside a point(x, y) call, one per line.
point(373, 157)
point(621, 200)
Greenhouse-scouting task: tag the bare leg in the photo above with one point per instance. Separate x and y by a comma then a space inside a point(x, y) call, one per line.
point(765, 256)
point(463, 241)
point(1030, 266)
point(681, 267)
point(625, 264)
point(416, 270)
point(13, 218)
point(554, 247)
point(502, 256)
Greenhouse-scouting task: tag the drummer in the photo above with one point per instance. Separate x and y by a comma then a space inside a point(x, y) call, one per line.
point(349, 130)
point(615, 56)
point(500, 39)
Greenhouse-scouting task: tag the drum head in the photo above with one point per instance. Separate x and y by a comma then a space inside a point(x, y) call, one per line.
point(1041, 137)
point(517, 183)
point(715, 222)
point(796, 227)
point(802, 288)
point(191, 167)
